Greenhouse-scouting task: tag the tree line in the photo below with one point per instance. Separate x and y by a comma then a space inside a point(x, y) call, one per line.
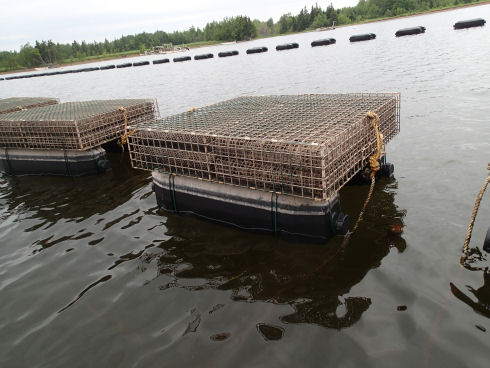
point(237, 28)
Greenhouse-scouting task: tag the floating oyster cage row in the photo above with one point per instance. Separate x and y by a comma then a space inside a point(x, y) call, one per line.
point(303, 145)
point(73, 125)
point(23, 103)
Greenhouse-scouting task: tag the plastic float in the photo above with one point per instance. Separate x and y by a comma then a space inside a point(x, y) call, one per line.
point(362, 37)
point(287, 46)
point(161, 61)
point(324, 42)
point(141, 63)
point(257, 50)
point(477, 22)
point(203, 56)
point(265, 163)
point(227, 53)
point(410, 31)
point(182, 58)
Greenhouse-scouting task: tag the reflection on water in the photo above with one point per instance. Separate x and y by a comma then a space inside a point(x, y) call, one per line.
point(48, 200)
point(482, 295)
point(312, 279)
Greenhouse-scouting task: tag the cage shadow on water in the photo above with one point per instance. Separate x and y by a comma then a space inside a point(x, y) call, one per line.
point(314, 279)
point(49, 199)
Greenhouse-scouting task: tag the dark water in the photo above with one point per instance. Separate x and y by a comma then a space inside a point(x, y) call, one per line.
point(93, 274)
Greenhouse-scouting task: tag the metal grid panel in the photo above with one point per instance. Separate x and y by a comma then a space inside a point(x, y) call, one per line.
point(306, 145)
point(73, 125)
point(22, 103)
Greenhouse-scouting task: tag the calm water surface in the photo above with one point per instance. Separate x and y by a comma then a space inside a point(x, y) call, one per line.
point(93, 274)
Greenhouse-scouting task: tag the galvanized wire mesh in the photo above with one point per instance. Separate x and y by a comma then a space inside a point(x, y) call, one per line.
point(21, 103)
point(306, 145)
point(73, 125)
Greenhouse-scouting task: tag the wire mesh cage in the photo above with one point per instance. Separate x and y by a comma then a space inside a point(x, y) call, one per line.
point(22, 103)
point(73, 125)
point(305, 145)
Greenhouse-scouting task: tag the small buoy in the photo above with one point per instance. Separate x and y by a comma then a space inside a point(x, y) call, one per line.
point(256, 50)
point(87, 69)
point(362, 37)
point(141, 63)
point(161, 61)
point(486, 243)
point(386, 170)
point(396, 229)
point(287, 46)
point(410, 31)
point(104, 165)
point(227, 53)
point(324, 42)
point(105, 67)
point(401, 308)
point(478, 22)
point(183, 58)
point(481, 328)
point(203, 56)
point(341, 223)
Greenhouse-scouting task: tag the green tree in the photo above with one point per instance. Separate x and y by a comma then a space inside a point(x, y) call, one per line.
point(320, 20)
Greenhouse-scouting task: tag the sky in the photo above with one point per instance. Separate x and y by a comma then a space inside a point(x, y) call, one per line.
point(63, 21)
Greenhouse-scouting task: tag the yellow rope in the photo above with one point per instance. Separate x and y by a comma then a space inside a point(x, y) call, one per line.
point(374, 159)
point(374, 166)
point(124, 138)
point(473, 215)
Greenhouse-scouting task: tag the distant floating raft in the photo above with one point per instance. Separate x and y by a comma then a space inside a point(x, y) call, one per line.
point(203, 56)
point(324, 42)
point(227, 53)
point(477, 22)
point(12, 104)
point(107, 67)
point(410, 31)
point(307, 145)
point(257, 50)
point(72, 125)
point(183, 58)
point(287, 46)
point(362, 37)
point(161, 61)
point(124, 65)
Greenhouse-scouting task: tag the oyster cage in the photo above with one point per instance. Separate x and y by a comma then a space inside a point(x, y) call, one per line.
point(305, 145)
point(73, 125)
point(22, 103)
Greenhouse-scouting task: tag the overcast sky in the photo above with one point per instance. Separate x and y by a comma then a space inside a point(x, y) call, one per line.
point(23, 21)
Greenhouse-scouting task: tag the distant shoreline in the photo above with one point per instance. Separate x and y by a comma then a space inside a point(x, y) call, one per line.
point(212, 43)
